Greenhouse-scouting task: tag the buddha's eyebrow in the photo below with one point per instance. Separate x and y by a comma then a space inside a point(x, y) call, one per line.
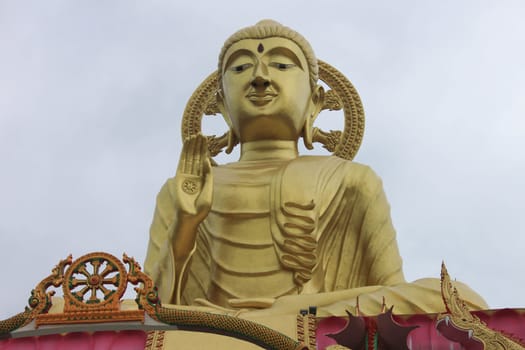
point(240, 52)
point(288, 53)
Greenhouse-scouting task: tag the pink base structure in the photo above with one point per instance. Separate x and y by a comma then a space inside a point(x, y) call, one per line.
point(122, 340)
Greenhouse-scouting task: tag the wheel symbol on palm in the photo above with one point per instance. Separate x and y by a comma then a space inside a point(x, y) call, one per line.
point(95, 279)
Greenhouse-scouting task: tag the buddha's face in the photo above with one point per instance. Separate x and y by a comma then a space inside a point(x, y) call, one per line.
point(266, 90)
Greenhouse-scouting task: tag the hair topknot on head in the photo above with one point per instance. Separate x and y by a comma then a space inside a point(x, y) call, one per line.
point(268, 28)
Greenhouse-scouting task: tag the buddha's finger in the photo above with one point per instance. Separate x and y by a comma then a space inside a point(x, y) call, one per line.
point(207, 181)
point(197, 159)
point(204, 161)
point(195, 156)
point(190, 155)
point(184, 156)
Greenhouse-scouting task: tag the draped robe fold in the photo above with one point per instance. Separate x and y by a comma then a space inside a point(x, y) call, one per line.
point(323, 225)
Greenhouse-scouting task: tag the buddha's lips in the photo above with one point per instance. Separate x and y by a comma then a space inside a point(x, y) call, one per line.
point(261, 99)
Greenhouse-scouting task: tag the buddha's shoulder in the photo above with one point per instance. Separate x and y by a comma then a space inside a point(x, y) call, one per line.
point(334, 163)
point(343, 172)
point(314, 165)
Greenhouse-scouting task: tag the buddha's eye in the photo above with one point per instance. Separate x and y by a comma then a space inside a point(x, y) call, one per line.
point(282, 66)
point(241, 68)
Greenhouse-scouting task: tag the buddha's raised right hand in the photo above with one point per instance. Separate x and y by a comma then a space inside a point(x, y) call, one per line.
point(193, 193)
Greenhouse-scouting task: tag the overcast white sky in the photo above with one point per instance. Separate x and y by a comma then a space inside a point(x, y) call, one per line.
point(92, 93)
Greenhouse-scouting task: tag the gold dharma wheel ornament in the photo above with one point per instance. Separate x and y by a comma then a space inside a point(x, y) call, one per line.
point(342, 95)
point(96, 280)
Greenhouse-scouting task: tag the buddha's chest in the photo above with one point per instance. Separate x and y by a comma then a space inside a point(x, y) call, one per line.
point(243, 190)
point(239, 220)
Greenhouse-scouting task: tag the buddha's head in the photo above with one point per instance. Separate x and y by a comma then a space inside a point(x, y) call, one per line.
point(268, 84)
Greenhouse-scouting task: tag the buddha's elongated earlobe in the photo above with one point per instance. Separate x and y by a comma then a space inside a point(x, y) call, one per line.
point(307, 132)
point(232, 141)
point(232, 138)
point(316, 104)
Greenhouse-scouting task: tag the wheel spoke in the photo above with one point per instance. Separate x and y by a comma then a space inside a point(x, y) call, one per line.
point(113, 280)
point(109, 268)
point(105, 291)
point(93, 294)
point(76, 282)
point(82, 292)
point(96, 266)
point(82, 270)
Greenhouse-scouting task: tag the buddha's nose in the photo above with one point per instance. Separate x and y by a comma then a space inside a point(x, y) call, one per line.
point(260, 79)
point(259, 82)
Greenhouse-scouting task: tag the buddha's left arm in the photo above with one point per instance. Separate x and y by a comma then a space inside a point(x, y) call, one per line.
point(382, 252)
point(357, 240)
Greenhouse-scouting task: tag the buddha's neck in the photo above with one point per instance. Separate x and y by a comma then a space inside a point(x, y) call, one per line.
point(268, 150)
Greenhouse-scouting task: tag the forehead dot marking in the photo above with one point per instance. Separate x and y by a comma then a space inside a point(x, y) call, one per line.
point(260, 48)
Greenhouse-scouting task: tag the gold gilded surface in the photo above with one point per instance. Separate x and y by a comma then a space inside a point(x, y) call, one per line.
point(342, 95)
point(277, 232)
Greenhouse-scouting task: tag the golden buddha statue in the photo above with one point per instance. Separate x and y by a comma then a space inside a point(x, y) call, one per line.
point(277, 232)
